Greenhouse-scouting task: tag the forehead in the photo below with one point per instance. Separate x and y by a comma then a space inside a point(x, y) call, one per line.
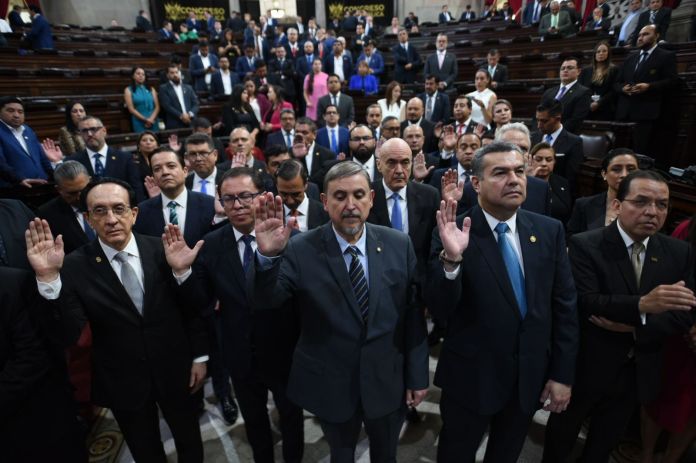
point(13, 106)
point(287, 116)
point(107, 193)
point(353, 183)
point(89, 122)
point(163, 158)
point(544, 152)
point(469, 139)
point(374, 111)
point(333, 80)
point(295, 182)
point(399, 153)
point(239, 135)
point(503, 159)
point(361, 131)
point(239, 184)
point(277, 159)
point(413, 130)
point(198, 146)
point(416, 103)
point(645, 187)
point(569, 62)
point(516, 137)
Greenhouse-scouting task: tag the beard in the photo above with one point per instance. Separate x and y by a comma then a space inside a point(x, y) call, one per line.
point(363, 154)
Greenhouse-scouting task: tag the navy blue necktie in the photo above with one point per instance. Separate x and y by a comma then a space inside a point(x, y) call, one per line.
point(396, 220)
point(89, 231)
point(512, 265)
point(248, 252)
point(98, 166)
point(358, 281)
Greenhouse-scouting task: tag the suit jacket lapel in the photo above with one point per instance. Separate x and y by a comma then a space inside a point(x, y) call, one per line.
point(230, 242)
point(148, 260)
point(374, 261)
point(652, 264)
point(337, 265)
point(617, 252)
point(67, 210)
point(413, 209)
point(192, 208)
point(379, 207)
point(529, 247)
point(83, 157)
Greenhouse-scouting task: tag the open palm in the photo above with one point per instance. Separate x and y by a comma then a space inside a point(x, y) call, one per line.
point(44, 253)
point(272, 234)
point(454, 240)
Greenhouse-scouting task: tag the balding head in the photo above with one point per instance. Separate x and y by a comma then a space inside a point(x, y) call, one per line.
point(395, 162)
point(413, 134)
point(414, 109)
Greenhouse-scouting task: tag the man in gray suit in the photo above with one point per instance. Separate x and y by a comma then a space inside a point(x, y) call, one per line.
point(442, 64)
point(557, 22)
point(179, 101)
point(362, 355)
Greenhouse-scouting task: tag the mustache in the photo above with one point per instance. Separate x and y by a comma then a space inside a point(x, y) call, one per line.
point(350, 215)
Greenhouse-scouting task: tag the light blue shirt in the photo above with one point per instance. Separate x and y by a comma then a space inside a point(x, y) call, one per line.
point(624, 32)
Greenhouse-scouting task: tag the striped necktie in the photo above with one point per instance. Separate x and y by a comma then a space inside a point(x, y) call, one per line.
point(358, 281)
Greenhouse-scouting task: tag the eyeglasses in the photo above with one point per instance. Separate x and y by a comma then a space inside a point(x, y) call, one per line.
point(245, 199)
point(568, 68)
point(88, 130)
point(642, 203)
point(102, 211)
point(199, 155)
point(364, 138)
point(390, 129)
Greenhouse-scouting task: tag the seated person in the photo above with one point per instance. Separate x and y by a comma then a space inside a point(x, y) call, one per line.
point(363, 80)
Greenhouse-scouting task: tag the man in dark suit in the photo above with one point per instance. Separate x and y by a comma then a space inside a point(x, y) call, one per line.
point(534, 11)
point(292, 180)
point(303, 65)
point(461, 116)
point(375, 362)
point(178, 111)
point(468, 14)
point(373, 58)
point(338, 63)
point(23, 163)
point(568, 146)
point(286, 135)
point(451, 186)
point(202, 157)
point(574, 96)
point(14, 217)
point(223, 81)
point(344, 103)
point(15, 19)
point(191, 211)
point(437, 103)
point(641, 84)
point(142, 22)
point(311, 154)
point(246, 65)
point(557, 22)
point(655, 15)
point(149, 343)
point(635, 289)
point(445, 16)
point(100, 160)
point(293, 49)
point(414, 116)
point(501, 278)
point(597, 22)
point(407, 61)
point(281, 72)
point(40, 35)
point(362, 145)
point(256, 345)
point(442, 64)
point(332, 136)
point(167, 31)
point(202, 66)
point(498, 72)
point(33, 387)
point(63, 213)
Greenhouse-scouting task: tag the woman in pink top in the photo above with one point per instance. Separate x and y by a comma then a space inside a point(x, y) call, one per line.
point(314, 88)
point(271, 120)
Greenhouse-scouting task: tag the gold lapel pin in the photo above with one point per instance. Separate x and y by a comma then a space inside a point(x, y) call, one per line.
point(532, 239)
point(379, 249)
point(653, 259)
point(98, 259)
point(113, 157)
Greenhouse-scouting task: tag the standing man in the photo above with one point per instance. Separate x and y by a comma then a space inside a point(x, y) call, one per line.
point(414, 116)
point(149, 344)
point(444, 17)
point(373, 58)
point(498, 72)
point(286, 135)
point(642, 81)
point(362, 150)
point(178, 100)
point(656, 16)
point(437, 104)
point(373, 117)
point(407, 61)
point(500, 276)
point(630, 22)
point(353, 280)
point(442, 65)
point(461, 116)
point(332, 136)
point(557, 22)
point(40, 35)
point(311, 154)
point(291, 181)
point(635, 289)
point(223, 81)
point(338, 63)
point(202, 66)
point(344, 103)
point(575, 97)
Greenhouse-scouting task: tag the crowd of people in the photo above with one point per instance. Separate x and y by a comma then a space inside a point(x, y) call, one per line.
point(303, 258)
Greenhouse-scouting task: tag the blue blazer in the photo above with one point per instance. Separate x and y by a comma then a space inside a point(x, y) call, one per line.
point(242, 67)
point(198, 71)
point(40, 35)
point(401, 59)
point(217, 89)
point(323, 139)
point(198, 25)
point(368, 84)
point(200, 211)
point(376, 64)
point(119, 164)
point(165, 34)
point(15, 165)
point(347, 65)
point(302, 66)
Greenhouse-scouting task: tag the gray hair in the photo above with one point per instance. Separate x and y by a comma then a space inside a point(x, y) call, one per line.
point(69, 170)
point(344, 169)
point(510, 127)
point(91, 118)
point(495, 147)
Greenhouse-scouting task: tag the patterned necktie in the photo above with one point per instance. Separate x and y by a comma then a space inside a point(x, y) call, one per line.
point(358, 281)
point(204, 186)
point(652, 17)
point(636, 249)
point(288, 140)
point(333, 100)
point(429, 108)
point(173, 217)
point(396, 220)
point(561, 92)
point(512, 265)
point(548, 138)
point(295, 213)
point(98, 166)
point(130, 281)
point(248, 252)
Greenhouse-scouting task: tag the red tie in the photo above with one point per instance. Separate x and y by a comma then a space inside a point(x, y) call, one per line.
point(295, 213)
point(294, 52)
point(460, 129)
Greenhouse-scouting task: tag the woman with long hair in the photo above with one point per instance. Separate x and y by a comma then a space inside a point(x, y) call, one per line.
point(228, 47)
point(258, 101)
point(392, 104)
point(146, 145)
point(600, 78)
point(483, 98)
point(271, 120)
point(70, 139)
point(142, 102)
point(543, 160)
point(237, 112)
point(315, 87)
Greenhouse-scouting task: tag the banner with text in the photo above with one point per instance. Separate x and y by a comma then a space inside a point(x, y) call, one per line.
point(382, 12)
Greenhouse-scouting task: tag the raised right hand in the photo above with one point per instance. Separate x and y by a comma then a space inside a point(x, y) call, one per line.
point(450, 186)
point(454, 240)
point(272, 234)
point(667, 297)
point(45, 254)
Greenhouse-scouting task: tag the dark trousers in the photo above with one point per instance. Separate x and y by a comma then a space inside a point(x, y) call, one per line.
point(462, 431)
point(383, 433)
point(141, 430)
point(642, 136)
point(252, 397)
point(216, 366)
point(609, 414)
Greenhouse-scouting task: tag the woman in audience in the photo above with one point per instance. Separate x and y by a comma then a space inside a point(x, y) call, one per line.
point(237, 112)
point(543, 160)
point(185, 34)
point(314, 88)
point(228, 47)
point(394, 28)
point(142, 102)
point(258, 101)
point(483, 98)
point(70, 139)
point(363, 80)
point(502, 114)
point(271, 120)
point(598, 211)
point(600, 78)
point(392, 104)
point(147, 144)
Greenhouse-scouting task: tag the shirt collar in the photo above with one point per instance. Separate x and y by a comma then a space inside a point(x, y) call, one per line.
point(360, 244)
point(556, 133)
point(104, 149)
point(238, 235)
point(461, 170)
point(651, 50)
point(388, 191)
point(493, 222)
point(368, 165)
point(303, 208)
point(568, 86)
point(210, 178)
point(628, 241)
point(131, 249)
point(180, 200)
point(19, 130)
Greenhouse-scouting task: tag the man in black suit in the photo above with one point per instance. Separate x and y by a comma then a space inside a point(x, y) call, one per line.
point(414, 116)
point(256, 345)
point(15, 19)
point(344, 103)
point(312, 156)
point(362, 145)
point(641, 84)
point(63, 212)
point(635, 289)
point(461, 116)
point(291, 182)
point(655, 15)
point(178, 100)
point(143, 22)
point(223, 81)
point(281, 72)
point(442, 64)
point(574, 96)
point(286, 134)
point(14, 217)
point(149, 343)
point(353, 280)
point(33, 388)
point(468, 14)
point(498, 72)
point(407, 61)
point(437, 104)
point(500, 276)
point(597, 22)
point(451, 186)
point(100, 160)
point(338, 63)
point(568, 146)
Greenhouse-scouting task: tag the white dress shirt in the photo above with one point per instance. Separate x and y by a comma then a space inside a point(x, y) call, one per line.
point(302, 213)
point(309, 158)
point(104, 149)
point(226, 81)
point(179, 90)
point(181, 202)
point(210, 186)
point(241, 245)
point(554, 135)
point(206, 65)
point(402, 204)
point(338, 67)
point(18, 133)
point(369, 166)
